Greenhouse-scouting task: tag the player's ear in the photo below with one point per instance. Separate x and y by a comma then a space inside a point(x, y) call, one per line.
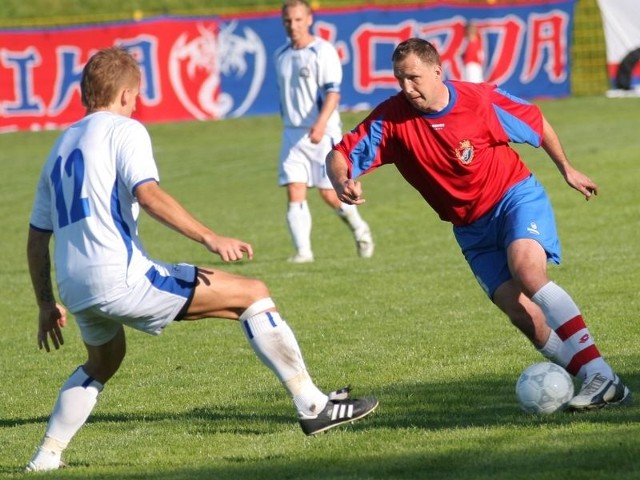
point(122, 97)
point(437, 70)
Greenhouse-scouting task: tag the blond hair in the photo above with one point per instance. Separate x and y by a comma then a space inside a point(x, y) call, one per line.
point(105, 74)
point(296, 3)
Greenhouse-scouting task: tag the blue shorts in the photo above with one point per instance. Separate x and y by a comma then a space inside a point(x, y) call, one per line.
point(523, 212)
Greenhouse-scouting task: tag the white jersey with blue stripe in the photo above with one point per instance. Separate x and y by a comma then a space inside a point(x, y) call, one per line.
point(85, 196)
point(305, 76)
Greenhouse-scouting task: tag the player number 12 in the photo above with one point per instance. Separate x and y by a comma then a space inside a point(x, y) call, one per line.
point(74, 169)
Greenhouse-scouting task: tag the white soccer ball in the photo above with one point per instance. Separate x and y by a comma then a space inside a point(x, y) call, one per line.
point(544, 388)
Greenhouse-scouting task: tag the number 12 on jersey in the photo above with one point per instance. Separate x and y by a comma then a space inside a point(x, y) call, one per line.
point(74, 172)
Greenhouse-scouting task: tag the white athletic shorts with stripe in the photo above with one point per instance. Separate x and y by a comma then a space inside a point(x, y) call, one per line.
point(302, 161)
point(158, 298)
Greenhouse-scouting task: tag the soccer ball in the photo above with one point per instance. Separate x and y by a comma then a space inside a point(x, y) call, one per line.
point(544, 388)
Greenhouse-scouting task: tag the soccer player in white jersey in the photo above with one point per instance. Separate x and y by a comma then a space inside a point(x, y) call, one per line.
point(98, 174)
point(309, 74)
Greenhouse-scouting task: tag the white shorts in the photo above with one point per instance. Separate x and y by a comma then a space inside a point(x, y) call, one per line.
point(161, 296)
point(302, 161)
point(473, 73)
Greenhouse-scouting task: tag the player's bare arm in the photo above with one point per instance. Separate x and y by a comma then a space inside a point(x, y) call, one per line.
point(168, 211)
point(51, 316)
point(348, 190)
point(576, 179)
point(316, 132)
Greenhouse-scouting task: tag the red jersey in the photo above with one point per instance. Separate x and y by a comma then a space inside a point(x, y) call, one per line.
point(459, 159)
point(473, 53)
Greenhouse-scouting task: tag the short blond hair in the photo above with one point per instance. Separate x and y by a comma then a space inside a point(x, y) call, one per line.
point(297, 3)
point(105, 74)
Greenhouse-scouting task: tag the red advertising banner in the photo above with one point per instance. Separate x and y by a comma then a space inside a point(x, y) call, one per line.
point(41, 72)
point(217, 67)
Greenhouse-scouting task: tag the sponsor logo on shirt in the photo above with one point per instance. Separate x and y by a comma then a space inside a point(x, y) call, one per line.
point(437, 126)
point(533, 228)
point(465, 152)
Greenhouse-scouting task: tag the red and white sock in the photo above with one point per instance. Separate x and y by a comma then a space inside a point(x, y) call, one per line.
point(571, 344)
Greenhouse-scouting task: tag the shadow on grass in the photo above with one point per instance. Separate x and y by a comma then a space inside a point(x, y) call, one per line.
point(455, 406)
point(418, 405)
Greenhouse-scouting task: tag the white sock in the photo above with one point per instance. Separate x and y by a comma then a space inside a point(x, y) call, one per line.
point(351, 216)
point(555, 350)
point(564, 317)
point(277, 347)
point(299, 221)
point(76, 400)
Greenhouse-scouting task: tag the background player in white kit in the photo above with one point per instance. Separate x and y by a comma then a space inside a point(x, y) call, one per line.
point(99, 172)
point(309, 74)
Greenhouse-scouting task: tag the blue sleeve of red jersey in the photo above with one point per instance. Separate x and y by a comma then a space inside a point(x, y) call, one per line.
point(521, 120)
point(362, 145)
point(365, 151)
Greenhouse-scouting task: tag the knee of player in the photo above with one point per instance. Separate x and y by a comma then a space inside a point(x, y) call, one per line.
point(530, 282)
point(257, 290)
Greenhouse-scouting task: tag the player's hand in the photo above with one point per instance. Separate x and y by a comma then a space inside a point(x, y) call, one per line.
point(351, 192)
point(316, 133)
point(581, 183)
point(51, 319)
point(229, 249)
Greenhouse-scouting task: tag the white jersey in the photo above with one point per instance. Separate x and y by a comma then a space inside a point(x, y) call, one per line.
point(85, 197)
point(305, 76)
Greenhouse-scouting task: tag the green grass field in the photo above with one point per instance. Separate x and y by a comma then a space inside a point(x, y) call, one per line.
point(410, 326)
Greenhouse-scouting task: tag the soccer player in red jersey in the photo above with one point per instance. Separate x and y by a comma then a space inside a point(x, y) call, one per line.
point(450, 140)
point(473, 55)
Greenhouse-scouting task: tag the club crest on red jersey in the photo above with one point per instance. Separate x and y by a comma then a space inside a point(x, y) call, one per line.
point(465, 152)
